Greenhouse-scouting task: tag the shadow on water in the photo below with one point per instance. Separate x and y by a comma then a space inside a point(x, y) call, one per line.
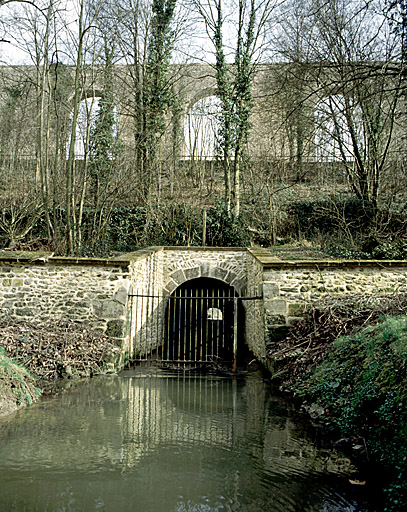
point(156, 441)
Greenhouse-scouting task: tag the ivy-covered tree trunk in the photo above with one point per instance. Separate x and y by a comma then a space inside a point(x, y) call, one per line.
point(244, 72)
point(225, 93)
point(102, 140)
point(158, 93)
point(234, 83)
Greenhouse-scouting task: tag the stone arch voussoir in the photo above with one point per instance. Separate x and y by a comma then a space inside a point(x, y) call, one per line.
point(205, 269)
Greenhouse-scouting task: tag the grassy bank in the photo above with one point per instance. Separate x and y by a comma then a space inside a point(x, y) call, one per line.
point(17, 385)
point(356, 386)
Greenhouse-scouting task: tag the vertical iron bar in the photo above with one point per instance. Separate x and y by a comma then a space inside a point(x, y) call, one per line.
point(185, 326)
point(227, 305)
point(131, 347)
point(213, 324)
point(188, 324)
point(181, 326)
point(207, 330)
point(141, 327)
point(157, 326)
point(196, 327)
point(218, 324)
point(200, 324)
point(170, 347)
point(178, 333)
point(135, 333)
point(165, 323)
point(209, 325)
point(235, 299)
point(191, 326)
point(161, 316)
point(169, 327)
point(172, 325)
point(203, 334)
point(205, 325)
point(162, 323)
point(146, 324)
point(176, 324)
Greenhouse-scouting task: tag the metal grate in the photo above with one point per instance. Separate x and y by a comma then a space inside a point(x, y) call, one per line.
point(197, 325)
point(200, 326)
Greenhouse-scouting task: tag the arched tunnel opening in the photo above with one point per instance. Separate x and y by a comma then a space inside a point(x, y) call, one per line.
point(204, 324)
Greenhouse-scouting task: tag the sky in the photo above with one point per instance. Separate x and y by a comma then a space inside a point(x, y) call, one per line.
point(193, 46)
point(10, 53)
point(196, 45)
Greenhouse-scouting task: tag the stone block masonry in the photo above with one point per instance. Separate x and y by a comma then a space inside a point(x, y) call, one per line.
point(104, 293)
point(87, 291)
point(124, 297)
point(290, 288)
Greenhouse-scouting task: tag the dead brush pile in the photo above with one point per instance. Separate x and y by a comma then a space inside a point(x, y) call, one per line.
point(56, 350)
point(300, 352)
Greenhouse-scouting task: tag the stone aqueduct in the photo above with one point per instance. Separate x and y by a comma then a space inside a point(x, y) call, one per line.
point(100, 292)
point(268, 139)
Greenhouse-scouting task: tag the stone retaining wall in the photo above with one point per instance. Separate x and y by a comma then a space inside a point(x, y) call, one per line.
point(124, 298)
point(254, 308)
point(106, 294)
point(87, 291)
point(289, 289)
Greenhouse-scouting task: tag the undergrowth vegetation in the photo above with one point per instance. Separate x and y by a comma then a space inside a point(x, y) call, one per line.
point(16, 383)
point(356, 382)
point(342, 227)
point(361, 386)
point(352, 229)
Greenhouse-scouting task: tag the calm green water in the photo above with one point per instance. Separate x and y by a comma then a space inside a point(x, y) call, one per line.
point(159, 442)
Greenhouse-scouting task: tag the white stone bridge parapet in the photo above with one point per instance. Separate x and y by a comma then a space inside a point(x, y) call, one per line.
point(102, 293)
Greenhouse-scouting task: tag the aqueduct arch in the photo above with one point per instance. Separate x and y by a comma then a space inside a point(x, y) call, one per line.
point(271, 137)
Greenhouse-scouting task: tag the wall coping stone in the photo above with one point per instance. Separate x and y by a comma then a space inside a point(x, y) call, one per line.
point(324, 264)
point(272, 262)
point(60, 260)
point(260, 254)
point(138, 255)
point(122, 261)
point(196, 248)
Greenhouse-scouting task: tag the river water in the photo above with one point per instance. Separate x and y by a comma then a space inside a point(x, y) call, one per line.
point(153, 441)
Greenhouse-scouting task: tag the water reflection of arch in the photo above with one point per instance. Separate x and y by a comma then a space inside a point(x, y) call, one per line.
point(220, 413)
point(167, 409)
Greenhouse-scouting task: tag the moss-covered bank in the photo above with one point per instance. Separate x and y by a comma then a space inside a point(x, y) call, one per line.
point(17, 386)
point(358, 389)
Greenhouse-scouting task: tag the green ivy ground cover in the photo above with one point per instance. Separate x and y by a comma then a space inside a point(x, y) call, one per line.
point(361, 386)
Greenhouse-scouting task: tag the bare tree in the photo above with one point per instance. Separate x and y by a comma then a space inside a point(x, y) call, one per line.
point(234, 81)
point(352, 90)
